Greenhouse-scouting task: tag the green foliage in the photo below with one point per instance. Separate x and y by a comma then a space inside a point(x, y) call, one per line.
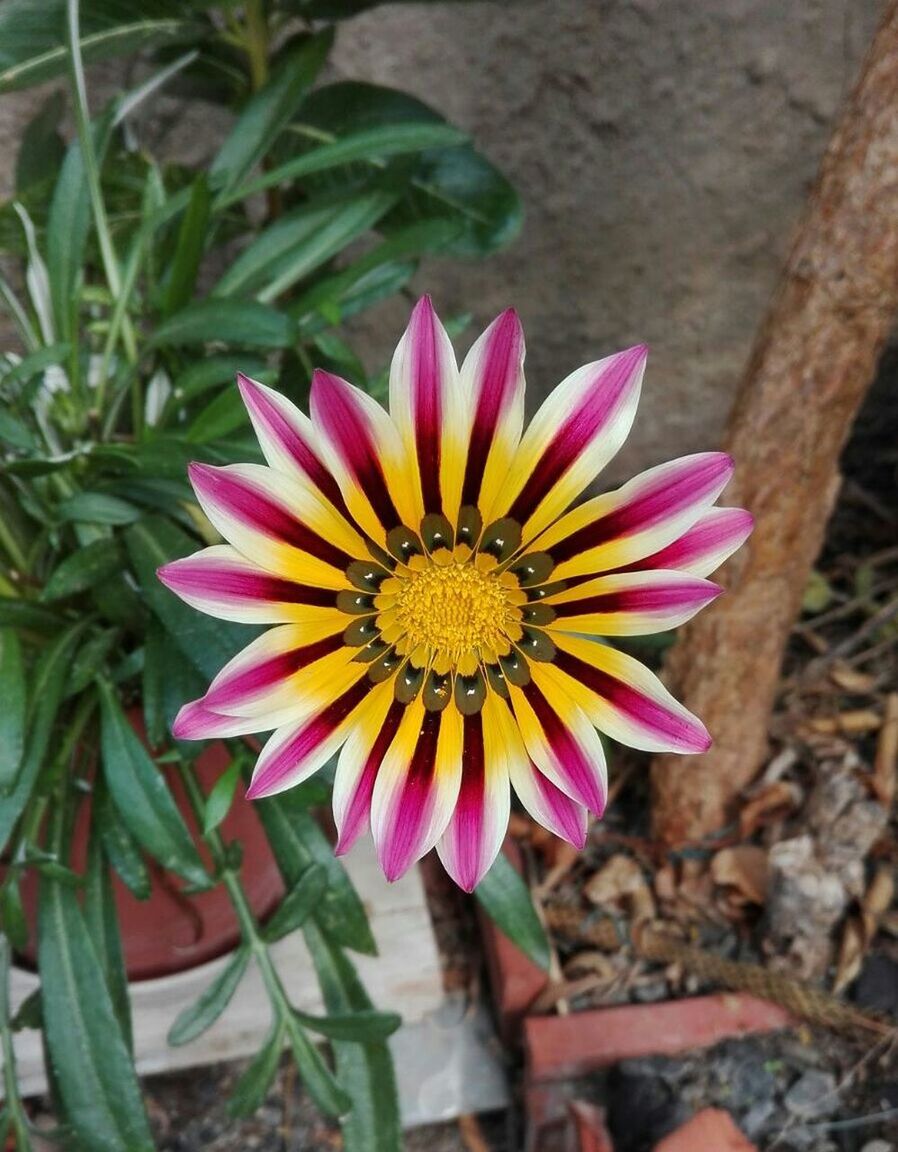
point(133, 316)
point(506, 900)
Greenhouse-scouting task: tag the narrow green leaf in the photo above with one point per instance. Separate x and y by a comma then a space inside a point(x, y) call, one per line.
point(301, 242)
point(14, 433)
point(369, 144)
point(30, 1013)
point(181, 275)
point(210, 372)
point(222, 416)
point(28, 615)
point(13, 924)
point(220, 798)
point(101, 919)
point(207, 644)
point(364, 1070)
point(12, 713)
point(194, 1020)
point(238, 322)
point(84, 569)
point(252, 1087)
point(366, 1026)
point(141, 795)
point(47, 686)
point(118, 844)
point(90, 1059)
point(299, 903)
point(316, 1076)
point(97, 508)
point(90, 660)
point(297, 841)
point(42, 150)
point(267, 113)
point(505, 898)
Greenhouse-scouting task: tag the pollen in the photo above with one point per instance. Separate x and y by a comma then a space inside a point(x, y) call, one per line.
point(453, 615)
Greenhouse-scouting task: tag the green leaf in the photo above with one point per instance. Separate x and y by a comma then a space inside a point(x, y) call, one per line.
point(14, 433)
point(302, 241)
point(221, 796)
point(195, 1019)
point(169, 679)
point(299, 903)
point(297, 841)
point(252, 1087)
point(97, 508)
point(42, 150)
point(32, 39)
point(118, 844)
point(141, 795)
point(30, 1013)
point(90, 660)
point(47, 686)
point(13, 924)
point(505, 898)
point(207, 644)
point(25, 614)
point(224, 415)
point(181, 276)
point(210, 372)
point(316, 1076)
point(364, 1070)
point(369, 144)
point(101, 919)
point(366, 1026)
point(84, 569)
point(270, 109)
point(91, 1062)
point(12, 713)
point(238, 322)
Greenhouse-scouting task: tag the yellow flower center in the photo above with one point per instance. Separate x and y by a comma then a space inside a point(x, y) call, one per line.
point(453, 614)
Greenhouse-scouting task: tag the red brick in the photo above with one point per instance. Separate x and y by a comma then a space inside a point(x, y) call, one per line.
point(560, 1047)
point(712, 1130)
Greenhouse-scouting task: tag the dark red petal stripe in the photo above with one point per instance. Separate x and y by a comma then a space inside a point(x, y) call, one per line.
point(415, 796)
point(343, 423)
point(360, 804)
point(251, 680)
point(655, 599)
point(577, 768)
point(255, 507)
point(499, 375)
point(469, 810)
point(665, 498)
point(627, 699)
point(427, 412)
point(591, 414)
point(281, 429)
point(240, 583)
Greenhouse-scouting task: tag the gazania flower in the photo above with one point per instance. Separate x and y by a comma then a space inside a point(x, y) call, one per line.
point(441, 603)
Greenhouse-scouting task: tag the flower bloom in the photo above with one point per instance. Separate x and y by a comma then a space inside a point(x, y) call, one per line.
point(439, 599)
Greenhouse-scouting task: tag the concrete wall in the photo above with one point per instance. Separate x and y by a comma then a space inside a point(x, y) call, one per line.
point(663, 149)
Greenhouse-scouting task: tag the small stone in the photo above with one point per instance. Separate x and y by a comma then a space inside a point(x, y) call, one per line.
point(878, 1146)
point(755, 1120)
point(877, 985)
point(813, 1094)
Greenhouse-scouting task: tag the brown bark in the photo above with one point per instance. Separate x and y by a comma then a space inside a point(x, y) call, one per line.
point(813, 360)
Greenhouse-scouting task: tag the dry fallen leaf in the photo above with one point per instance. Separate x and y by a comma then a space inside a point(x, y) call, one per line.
point(860, 930)
point(744, 868)
point(851, 954)
point(850, 680)
point(774, 801)
point(855, 721)
point(621, 883)
point(884, 780)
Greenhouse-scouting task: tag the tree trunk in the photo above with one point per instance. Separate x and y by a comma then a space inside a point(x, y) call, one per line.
point(813, 360)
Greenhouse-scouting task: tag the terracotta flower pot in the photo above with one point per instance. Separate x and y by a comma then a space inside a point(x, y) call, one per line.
point(172, 931)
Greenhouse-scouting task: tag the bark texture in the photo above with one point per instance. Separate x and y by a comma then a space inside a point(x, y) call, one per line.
point(812, 362)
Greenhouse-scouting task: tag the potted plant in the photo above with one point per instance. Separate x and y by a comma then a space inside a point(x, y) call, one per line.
point(138, 287)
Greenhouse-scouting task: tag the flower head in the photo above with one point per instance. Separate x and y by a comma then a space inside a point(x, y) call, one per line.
point(440, 602)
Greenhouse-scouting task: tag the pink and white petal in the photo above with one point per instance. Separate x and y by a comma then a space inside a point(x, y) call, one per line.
point(645, 515)
point(417, 787)
point(362, 448)
point(492, 382)
point(631, 603)
point(703, 547)
point(578, 429)
point(547, 804)
point(287, 439)
point(427, 407)
point(479, 821)
point(197, 722)
point(297, 751)
point(359, 762)
point(288, 671)
point(560, 739)
point(223, 583)
point(624, 699)
point(277, 522)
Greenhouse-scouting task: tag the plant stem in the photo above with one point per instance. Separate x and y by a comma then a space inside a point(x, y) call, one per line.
point(13, 1100)
point(92, 174)
point(257, 43)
